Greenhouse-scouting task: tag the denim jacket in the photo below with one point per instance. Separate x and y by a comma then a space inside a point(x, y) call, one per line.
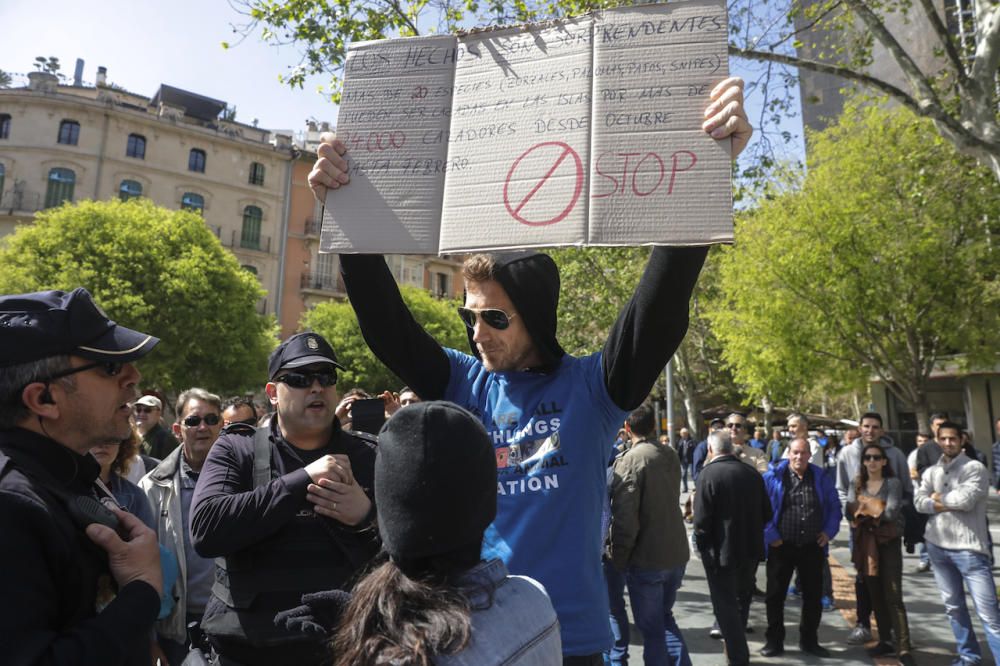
point(513, 622)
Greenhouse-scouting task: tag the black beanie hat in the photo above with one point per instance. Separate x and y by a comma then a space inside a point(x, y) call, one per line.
point(531, 280)
point(435, 481)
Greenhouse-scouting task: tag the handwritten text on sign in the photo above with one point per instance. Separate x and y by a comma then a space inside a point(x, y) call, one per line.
point(582, 132)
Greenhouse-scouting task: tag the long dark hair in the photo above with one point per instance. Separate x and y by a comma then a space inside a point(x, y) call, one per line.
point(400, 619)
point(861, 480)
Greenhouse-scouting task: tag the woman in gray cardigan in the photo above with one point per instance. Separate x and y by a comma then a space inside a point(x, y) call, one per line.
point(874, 507)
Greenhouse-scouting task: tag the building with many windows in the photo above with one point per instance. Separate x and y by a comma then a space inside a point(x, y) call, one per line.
point(71, 142)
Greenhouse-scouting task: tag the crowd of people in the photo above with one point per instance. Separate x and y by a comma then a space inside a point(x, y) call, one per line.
point(468, 530)
point(786, 511)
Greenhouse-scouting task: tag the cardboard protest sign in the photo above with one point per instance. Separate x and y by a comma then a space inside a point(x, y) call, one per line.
point(578, 132)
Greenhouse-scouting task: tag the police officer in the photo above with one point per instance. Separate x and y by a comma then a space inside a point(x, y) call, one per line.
point(72, 591)
point(288, 510)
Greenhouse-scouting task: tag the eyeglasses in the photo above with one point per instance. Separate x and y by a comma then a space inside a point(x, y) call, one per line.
point(493, 317)
point(874, 458)
point(302, 380)
point(194, 420)
point(735, 426)
point(142, 409)
point(110, 368)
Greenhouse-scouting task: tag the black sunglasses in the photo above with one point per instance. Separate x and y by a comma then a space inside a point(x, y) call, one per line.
point(194, 420)
point(875, 458)
point(302, 380)
point(110, 368)
point(737, 426)
point(142, 409)
point(493, 317)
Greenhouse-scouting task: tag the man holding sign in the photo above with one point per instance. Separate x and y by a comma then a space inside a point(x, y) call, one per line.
point(552, 417)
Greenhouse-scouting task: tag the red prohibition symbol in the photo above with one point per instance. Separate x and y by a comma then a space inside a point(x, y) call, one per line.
point(561, 152)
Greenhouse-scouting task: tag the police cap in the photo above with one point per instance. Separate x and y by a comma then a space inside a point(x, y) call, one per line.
point(299, 350)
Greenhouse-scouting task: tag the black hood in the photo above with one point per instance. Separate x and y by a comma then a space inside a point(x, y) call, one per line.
point(531, 280)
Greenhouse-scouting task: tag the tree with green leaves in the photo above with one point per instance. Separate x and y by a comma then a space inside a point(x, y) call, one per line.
point(879, 263)
point(596, 284)
point(336, 321)
point(154, 270)
point(955, 88)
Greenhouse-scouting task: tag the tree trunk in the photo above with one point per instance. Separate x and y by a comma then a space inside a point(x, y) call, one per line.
point(693, 410)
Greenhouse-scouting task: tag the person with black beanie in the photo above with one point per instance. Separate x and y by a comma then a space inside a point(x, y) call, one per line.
point(432, 600)
point(550, 416)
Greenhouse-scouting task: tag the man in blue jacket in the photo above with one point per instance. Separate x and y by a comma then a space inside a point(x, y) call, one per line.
point(806, 518)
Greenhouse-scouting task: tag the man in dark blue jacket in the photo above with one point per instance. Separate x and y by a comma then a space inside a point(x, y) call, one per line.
point(72, 591)
point(806, 517)
point(295, 519)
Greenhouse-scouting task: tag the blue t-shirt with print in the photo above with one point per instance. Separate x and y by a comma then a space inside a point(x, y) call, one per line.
point(553, 435)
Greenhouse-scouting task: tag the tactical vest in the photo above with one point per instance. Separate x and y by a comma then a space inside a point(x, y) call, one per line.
point(308, 554)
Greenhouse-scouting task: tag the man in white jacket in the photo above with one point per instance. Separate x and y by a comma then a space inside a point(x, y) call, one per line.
point(169, 488)
point(954, 492)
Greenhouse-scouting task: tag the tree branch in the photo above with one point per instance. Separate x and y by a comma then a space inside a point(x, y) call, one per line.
point(946, 40)
point(962, 135)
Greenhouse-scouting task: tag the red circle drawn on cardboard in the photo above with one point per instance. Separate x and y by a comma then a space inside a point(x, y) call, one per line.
point(515, 212)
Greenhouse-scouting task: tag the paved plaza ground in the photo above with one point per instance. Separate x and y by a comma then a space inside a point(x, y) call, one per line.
point(931, 634)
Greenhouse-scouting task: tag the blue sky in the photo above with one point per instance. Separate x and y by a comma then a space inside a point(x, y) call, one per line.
point(144, 44)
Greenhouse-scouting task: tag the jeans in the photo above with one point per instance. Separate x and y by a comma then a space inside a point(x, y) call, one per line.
point(731, 589)
point(615, 581)
point(951, 568)
point(685, 470)
point(653, 593)
point(781, 562)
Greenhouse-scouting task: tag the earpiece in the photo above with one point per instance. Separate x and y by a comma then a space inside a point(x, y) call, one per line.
point(46, 397)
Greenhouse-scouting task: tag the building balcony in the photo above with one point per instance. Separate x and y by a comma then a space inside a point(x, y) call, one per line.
point(238, 241)
point(18, 200)
point(312, 228)
point(325, 284)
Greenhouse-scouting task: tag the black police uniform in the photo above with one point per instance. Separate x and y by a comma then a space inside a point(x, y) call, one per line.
point(273, 547)
point(53, 578)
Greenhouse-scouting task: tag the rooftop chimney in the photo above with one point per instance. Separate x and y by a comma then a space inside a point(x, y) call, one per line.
point(102, 76)
point(78, 73)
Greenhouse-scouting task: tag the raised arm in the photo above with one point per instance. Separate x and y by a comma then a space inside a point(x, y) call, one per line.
point(387, 325)
point(653, 323)
point(389, 329)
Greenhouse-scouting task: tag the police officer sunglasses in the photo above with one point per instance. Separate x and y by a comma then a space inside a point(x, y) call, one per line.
point(109, 368)
point(493, 317)
point(302, 380)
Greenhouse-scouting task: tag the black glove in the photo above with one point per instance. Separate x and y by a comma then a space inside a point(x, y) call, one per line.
point(318, 615)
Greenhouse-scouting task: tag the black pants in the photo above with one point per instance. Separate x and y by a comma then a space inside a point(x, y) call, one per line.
point(782, 561)
point(588, 660)
point(732, 589)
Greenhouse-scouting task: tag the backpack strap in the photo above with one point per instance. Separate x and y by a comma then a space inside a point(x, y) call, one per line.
point(261, 457)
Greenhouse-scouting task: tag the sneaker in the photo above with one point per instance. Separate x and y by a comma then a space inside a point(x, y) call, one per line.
point(859, 635)
point(793, 591)
point(716, 633)
point(923, 567)
point(827, 603)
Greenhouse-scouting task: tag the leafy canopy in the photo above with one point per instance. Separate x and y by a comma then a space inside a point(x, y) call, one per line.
point(880, 262)
point(336, 321)
point(157, 271)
